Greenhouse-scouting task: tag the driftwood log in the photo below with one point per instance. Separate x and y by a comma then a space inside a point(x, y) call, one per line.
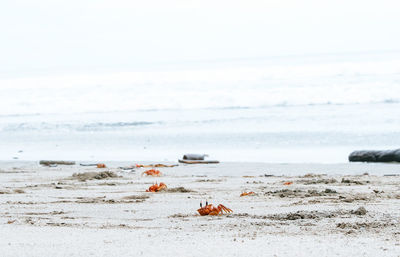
point(48, 163)
point(193, 156)
point(375, 156)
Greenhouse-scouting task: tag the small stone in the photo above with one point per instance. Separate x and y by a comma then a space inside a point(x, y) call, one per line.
point(360, 211)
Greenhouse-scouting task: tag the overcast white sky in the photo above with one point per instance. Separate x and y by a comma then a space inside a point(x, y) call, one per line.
point(48, 35)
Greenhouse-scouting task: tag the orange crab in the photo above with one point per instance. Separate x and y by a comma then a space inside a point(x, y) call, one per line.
point(247, 193)
point(288, 183)
point(157, 188)
point(101, 165)
point(210, 209)
point(152, 172)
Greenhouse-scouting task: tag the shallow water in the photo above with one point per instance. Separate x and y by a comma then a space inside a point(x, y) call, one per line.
point(303, 109)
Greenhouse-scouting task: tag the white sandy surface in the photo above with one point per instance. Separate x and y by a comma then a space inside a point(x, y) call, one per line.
point(45, 211)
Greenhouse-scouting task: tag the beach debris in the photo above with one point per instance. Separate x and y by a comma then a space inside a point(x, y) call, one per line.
point(193, 156)
point(104, 200)
point(179, 190)
point(196, 159)
point(313, 192)
point(365, 225)
point(306, 215)
point(98, 165)
point(94, 175)
point(11, 221)
point(247, 193)
point(318, 181)
point(330, 191)
point(136, 197)
point(349, 181)
point(158, 165)
point(300, 215)
point(288, 183)
point(375, 156)
point(283, 193)
point(199, 162)
point(209, 180)
point(128, 168)
point(255, 182)
point(152, 172)
point(210, 209)
point(360, 211)
point(16, 191)
point(357, 197)
point(50, 162)
point(311, 175)
point(19, 191)
point(157, 187)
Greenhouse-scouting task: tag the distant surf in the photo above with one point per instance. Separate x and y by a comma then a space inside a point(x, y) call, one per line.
point(250, 111)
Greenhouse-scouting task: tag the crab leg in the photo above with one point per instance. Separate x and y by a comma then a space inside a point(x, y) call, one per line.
point(223, 208)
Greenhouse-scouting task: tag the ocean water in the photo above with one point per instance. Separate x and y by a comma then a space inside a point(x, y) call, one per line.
point(282, 109)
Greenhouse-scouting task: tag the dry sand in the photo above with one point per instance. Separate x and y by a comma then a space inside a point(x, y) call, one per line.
point(337, 209)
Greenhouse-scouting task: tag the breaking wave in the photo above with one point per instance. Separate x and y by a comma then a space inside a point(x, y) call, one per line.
point(96, 126)
point(284, 83)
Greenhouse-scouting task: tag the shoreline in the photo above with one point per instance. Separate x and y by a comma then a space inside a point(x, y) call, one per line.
point(240, 168)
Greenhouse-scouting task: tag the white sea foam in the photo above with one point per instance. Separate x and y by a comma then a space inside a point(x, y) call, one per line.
point(251, 86)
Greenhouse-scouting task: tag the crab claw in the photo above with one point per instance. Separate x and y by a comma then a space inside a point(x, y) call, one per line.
point(201, 204)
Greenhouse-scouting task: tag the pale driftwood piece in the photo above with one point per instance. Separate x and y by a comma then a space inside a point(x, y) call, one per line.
point(88, 164)
point(193, 156)
point(51, 162)
point(198, 162)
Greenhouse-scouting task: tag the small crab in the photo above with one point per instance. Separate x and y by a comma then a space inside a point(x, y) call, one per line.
point(210, 209)
point(101, 165)
point(152, 172)
point(288, 183)
point(247, 193)
point(157, 188)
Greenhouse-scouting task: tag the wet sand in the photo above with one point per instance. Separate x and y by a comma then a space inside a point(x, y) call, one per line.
point(328, 210)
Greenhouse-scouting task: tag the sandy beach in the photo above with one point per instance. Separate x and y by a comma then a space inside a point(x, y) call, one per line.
point(284, 100)
point(327, 210)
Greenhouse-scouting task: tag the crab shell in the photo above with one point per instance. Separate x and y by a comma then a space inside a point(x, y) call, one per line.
point(157, 188)
point(210, 209)
point(152, 172)
point(247, 193)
